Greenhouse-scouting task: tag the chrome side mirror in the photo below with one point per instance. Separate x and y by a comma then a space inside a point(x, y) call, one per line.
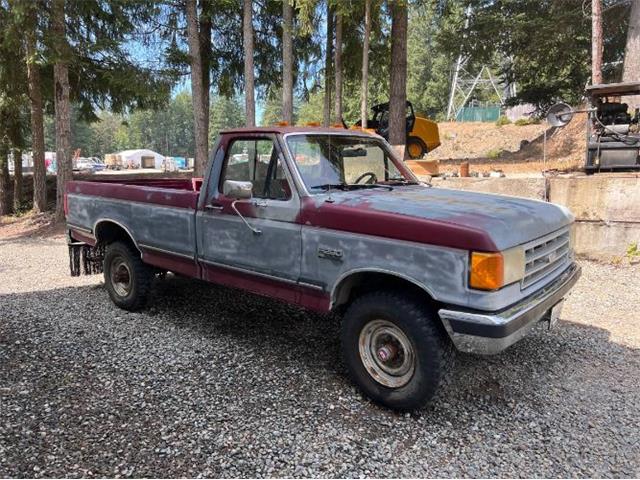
point(237, 190)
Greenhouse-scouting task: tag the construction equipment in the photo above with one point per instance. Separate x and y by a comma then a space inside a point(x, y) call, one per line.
point(613, 133)
point(422, 134)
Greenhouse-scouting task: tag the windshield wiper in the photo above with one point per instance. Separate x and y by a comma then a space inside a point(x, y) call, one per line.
point(401, 181)
point(350, 186)
point(329, 186)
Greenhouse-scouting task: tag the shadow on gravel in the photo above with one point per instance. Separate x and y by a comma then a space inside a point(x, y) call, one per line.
point(273, 329)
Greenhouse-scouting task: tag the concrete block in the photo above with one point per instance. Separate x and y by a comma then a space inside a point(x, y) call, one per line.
point(423, 167)
point(516, 187)
point(602, 241)
point(606, 198)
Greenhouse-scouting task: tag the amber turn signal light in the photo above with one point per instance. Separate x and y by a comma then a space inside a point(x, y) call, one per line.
point(487, 271)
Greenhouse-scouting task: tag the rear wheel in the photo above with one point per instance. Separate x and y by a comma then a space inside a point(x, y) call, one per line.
point(126, 277)
point(416, 148)
point(394, 350)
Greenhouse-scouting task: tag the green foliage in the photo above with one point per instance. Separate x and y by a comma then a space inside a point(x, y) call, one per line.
point(633, 251)
point(521, 122)
point(168, 131)
point(225, 112)
point(429, 65)
point(494, 153)
point(503, 120)
point(543, 45)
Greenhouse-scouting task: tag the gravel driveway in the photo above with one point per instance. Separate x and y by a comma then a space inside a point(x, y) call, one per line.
point(213, 382)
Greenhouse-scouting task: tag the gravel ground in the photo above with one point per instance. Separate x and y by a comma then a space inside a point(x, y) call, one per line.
point(212, 382)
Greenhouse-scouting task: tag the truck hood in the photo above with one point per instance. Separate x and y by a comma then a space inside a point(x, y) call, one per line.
point(501, 220)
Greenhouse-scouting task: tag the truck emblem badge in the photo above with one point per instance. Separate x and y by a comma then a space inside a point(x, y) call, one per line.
point(330, 253)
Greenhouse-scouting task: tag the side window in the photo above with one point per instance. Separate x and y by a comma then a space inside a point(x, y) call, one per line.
point(257, 161)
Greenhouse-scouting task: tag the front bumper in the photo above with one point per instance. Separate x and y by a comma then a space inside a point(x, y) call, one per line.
point(491, 332)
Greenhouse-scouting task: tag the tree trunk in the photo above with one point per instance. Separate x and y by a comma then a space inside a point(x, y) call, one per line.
point(326, 110)
point(247, 42)
point(398, 80)
point(596, 41)
point(37, 119)
point(631, 71)
point(287, 62)
point(17, 179)
point(5, 197)
point(62, 107)
point(197, 89)
point(365, 64)
point(338, 69)
point(206, 52)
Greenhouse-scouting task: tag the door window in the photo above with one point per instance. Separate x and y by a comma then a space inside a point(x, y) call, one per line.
point(257, 161)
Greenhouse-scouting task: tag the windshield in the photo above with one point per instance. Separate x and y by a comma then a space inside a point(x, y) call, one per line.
point(341, 161)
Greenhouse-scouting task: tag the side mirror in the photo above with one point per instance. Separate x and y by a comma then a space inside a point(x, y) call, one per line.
point(237, 190)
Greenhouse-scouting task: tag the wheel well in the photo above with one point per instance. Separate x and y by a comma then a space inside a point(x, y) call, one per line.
point(360, 283)
point(107, 232)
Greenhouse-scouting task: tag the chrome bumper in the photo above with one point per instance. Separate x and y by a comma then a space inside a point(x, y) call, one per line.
point(491, 332)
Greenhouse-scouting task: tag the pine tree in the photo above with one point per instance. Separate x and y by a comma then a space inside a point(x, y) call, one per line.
point(249, 87)
point(198, 88)
point(287, 61)
point(398, 78)
point(631, 71)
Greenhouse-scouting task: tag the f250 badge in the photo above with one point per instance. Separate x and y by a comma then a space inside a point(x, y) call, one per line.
point(330, 253)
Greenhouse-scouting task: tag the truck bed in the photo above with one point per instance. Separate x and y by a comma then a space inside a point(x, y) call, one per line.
point(157, 214)
point(178, 192)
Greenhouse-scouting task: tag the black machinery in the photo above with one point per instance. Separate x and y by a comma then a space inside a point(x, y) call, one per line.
point(613, 130)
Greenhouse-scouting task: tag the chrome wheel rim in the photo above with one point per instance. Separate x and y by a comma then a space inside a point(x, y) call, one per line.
point(386, 353)
point(120, 277)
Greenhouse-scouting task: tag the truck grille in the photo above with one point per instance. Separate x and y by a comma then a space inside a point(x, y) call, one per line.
point(545, 256)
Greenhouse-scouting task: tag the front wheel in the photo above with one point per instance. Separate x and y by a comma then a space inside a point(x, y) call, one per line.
point(126, 277)
point(394, 350)
point(416, 149)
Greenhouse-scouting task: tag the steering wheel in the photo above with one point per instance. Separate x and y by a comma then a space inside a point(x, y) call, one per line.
point(372, 176)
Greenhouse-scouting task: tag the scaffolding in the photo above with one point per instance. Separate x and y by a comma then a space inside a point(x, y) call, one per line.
point(464, 82)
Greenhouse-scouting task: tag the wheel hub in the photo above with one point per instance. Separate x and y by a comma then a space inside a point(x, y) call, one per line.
point(120, 277)
point(386, 353)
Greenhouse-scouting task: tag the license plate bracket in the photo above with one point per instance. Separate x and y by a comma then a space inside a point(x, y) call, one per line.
point(554, 314)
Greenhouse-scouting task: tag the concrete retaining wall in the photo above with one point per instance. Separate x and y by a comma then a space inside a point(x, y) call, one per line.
point(606, 206)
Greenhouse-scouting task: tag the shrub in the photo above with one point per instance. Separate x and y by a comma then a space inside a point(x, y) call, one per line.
point(503, 120)
point(521, 122)
point(494, 153)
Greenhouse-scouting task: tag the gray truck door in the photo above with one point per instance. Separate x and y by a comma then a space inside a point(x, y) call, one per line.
point(226, 245)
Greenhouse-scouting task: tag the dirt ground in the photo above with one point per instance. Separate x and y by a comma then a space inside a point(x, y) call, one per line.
point(511, 148)
point(29, 225)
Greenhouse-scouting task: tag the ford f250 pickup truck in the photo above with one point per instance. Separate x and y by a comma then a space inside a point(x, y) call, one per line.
point(332, 220)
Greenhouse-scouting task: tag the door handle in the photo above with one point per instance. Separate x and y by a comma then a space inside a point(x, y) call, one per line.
point(217, 208)
point(260, 203)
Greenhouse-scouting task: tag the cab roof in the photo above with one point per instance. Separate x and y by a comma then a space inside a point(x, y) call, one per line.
point(282, 130)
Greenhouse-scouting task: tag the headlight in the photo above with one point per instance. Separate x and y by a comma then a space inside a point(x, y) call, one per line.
point(491, 271)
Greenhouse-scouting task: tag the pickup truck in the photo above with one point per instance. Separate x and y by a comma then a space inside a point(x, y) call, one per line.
point(333, 221)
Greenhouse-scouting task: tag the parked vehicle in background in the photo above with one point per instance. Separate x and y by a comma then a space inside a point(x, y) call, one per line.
point(423, 134)
point(613, 127)
point(88, 165)
point(332, 220)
